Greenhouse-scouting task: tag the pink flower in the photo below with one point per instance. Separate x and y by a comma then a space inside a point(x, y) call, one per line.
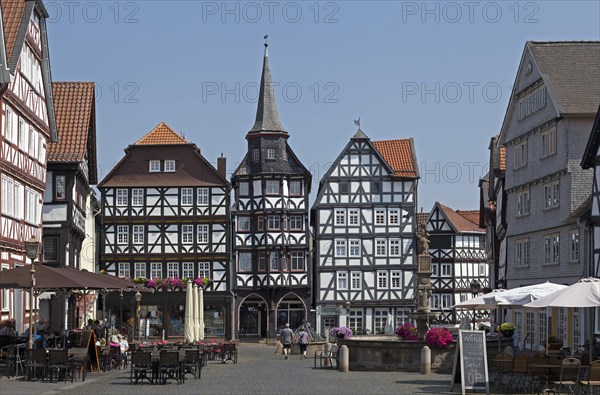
point(438, 337)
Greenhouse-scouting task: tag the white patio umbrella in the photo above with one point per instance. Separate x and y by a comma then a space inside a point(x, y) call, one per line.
point(478, 302)
point(584, 293)
point(188, 327)
point(201, 313)
point(196, 313)
point(522, 295)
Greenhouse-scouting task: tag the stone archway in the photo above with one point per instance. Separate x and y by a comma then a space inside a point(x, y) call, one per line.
point(290, 308)
point(252, 320)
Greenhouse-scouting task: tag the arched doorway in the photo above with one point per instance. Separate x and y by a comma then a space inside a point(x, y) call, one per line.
point(290, 309)
point(253, 315)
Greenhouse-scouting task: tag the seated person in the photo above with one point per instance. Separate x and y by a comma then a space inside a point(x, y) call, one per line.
point(7, 329)
point(124, 347)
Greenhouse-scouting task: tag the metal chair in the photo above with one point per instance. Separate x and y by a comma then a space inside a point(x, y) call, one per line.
point(229, 353)
point(519, 371)
point(36, 362)
point(539, 375)
point(169, 367)
point(569, 375)
point(141, 366)
point(192, 364)
point(593, 378)
point(59, 361)
point(502, 365)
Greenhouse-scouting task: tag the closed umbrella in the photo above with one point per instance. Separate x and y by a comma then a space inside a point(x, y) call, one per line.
point(196, 313)
point(189, 314)
point(201, 313)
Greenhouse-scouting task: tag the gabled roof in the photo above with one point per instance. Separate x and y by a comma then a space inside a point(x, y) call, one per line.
point(591, 150)
point(12, 14)
point(162, 134)
point(572, 68)
point(400, 156)
point(462, 220)
point(74, 104)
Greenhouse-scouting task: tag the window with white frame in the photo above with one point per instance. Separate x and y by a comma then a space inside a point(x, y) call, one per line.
point(169, 165)
point(394, 247)
point(434, 301)
point(187, 234)
point(295, 188)
point(22, 135)
point(549, 142)
point(122, 197)
point(274, 260)
point(393, 216)
point(244, 188)
point(520, 154)
point(342, 281)
point(202, 234)
point(483, 270)
point(202, 196)
point(32, 202)
point(156, 269)
point(260, 222)
point(245, 262)
point(380, 217)
point(60, 188)
point(187, 269)
point(8, 198)
point(8, 125)
point(32, 142)
point(19, 196)
point(139, 270)
point(445, 301)
point(576, 328)
point(402, 316)
point(41, 149)
point(154, 166)
point(446, 270)
point(380, 247)
point(382, 279)
point(187, 196)
point(552, 249)
point(270, 153)
point(137, 197)
point(138, 234)
point(551, 194)
point(435, 270)
point(574, 245)
point(379, 320)
point(5, 294)
point(340, 248)
point(395, 279)
point(355, 280)
point(529, 325)
point(561, 324)
point(272, 187)
point(523, 203)
point(204, 268)
point(522, 252)
point(297, 260)
point(262, 262)
point(296, 222)
point(124, 270)
point(340, 217)
point(122, 234)
point(355, 320)
point(274, 222)
point(243, 224)
point(543, 327)
point(354, 248)
point(173, 269)
point(255, 155)
point(353, 216)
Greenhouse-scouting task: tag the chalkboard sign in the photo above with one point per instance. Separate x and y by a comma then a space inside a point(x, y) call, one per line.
point(470, 362)
point(89, 341)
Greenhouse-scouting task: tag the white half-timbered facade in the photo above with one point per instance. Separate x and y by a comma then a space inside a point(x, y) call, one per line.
point(364, 228)
point(271, 233)
point(458, 258)
point(166, 214)
point(591, 159)
point(27, 122)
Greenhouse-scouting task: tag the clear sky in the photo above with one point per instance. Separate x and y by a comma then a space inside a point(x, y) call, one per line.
point(440, 72)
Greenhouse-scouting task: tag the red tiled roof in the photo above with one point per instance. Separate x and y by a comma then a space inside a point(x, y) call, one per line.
point(503, 158)
point(74, 107)
point(463, 220)
point(399, 155)
point(162, 134)
point(12, 13)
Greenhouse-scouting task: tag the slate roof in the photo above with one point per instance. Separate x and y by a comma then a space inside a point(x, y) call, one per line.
point(572, 70)
point(74, 106)
point(463, 220)
point(400, 156)
point(162, 134)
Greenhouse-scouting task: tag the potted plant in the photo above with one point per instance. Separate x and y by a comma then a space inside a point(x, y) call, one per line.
point(438, 338)
point(407, 331)
point(554, 343)
point(341, 332)
point(507, 329)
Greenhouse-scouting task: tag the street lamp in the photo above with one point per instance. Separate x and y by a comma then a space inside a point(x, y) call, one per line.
point(475, 288)
point(32, 250)
point(138, 299)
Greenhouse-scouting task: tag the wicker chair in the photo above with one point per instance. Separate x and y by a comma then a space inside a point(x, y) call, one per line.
point(141, 366)
point(192, 364)
point(169, 367)
point(60, 362)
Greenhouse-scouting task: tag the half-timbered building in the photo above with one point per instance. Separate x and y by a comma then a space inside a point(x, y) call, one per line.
point(458, 259)
point(270, 216)
point(165, 214)
point(591, 159)
point(72, 170)
point(27, 122)
point(364, 228)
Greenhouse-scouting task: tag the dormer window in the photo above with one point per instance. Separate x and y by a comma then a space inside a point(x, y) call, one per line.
point(256, 155)
point(170, 165)
point(271, 153)
point(154, 166)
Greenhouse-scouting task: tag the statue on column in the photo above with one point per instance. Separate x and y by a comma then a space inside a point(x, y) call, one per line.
point(423, 236)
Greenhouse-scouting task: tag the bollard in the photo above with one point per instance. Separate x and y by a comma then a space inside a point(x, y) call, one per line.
point(344, 359)
point(425, 360)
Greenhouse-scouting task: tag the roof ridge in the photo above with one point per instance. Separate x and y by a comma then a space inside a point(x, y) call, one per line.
point(166, 130)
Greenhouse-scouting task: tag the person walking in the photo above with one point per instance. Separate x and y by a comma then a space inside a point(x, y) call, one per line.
point(287, 336)
point(303, 341)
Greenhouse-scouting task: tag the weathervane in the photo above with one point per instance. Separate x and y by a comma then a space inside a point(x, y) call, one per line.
point(357, 122)
point(266, 42)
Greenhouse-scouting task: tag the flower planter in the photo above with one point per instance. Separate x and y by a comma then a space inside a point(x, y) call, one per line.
point(554, 346)
point(508, 333)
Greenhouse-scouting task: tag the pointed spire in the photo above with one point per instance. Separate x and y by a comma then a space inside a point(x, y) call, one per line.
point(267, 116)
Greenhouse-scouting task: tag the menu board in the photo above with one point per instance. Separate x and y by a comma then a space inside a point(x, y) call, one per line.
point(470, 362)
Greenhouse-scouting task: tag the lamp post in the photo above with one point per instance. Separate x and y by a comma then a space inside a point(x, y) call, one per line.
point(475, 288)
point(138, 299)
point(32, 250)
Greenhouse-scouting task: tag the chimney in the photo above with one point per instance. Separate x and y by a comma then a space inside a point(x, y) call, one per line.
point(222, 166)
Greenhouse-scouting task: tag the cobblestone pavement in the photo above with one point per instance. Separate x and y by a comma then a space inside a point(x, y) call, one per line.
point(258, 371)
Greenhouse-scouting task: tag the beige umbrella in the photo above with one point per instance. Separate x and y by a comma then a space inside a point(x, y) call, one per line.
point(189, 314)
point(201, 313)
point(196, 327)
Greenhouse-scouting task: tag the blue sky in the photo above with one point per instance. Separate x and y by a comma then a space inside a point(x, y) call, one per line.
point(440, 72)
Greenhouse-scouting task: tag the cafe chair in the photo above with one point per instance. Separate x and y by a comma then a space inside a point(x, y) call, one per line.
point(141, 366)
point(60, 363)
point(36, 363)
point(593, 378)
point(569, 375)
point(539, 372)
point(518, 372)
point(229, 353)
point(169, 367)
point(501, 365)
point(192, 363)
